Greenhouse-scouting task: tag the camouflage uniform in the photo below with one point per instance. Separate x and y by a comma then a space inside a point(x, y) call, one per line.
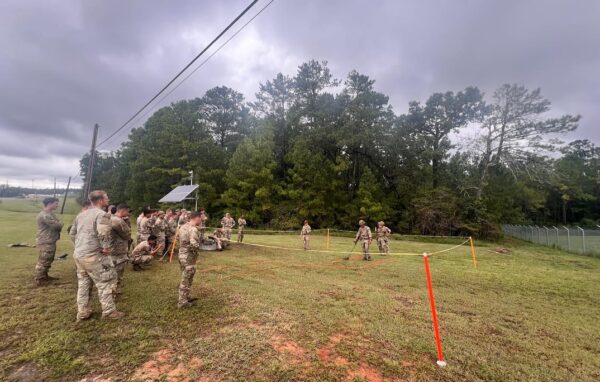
point(364, 235)
point(383, 234)
point(146, 226)
point(189, 246)
point(139, 222)
point(160, 231)
point(91, 233)
point(227, 223)
point(218, 236)
point(142, 253)
point(306, 230)
point(241, 226)
point(184, 218)
point(202, 226)
point(120, 237)
point(48, 233)
point(171, 231)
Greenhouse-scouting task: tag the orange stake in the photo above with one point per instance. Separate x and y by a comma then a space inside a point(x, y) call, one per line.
point(173, 245)
point(473, 252)
point(436, 330)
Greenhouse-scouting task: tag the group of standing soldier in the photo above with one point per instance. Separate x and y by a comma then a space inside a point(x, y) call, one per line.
point(363, 235)
point(102, 238)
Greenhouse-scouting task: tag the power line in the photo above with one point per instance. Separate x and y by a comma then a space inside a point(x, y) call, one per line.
point(182, 71)
point(196, 69)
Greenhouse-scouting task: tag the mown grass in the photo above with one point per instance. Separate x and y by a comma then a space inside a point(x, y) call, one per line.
point(275, 315)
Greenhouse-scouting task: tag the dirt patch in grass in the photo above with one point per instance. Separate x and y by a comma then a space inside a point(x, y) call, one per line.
point(336, 295)
point(362, 370)
point(296, 353)
point(365, 372)
point(406, 301)
point(27, 372)
point(324, 352)
point(166, 365)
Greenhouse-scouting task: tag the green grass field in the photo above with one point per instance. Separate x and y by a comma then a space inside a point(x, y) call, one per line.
point(278, 315)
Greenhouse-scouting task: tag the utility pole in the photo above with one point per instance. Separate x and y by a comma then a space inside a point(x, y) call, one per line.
point(62, 209)
point(54, 187)
point(90, 171)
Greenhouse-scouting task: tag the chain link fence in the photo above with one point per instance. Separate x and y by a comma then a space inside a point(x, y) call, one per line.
point(571, 239)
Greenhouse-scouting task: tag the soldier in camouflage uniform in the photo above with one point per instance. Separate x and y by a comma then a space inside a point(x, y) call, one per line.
point(189, 247)
point(383, 236)
point(160, 230)
point(227, 223)
point(218, 236)
point(202, 226)
point(144, 252)
point(146, 225)
point(364, 236)
point(48, 233)
point(241, 226)
point(183, 217)
point(171, 229)
point(91, 233)
point(120, 238)
point(305, 233)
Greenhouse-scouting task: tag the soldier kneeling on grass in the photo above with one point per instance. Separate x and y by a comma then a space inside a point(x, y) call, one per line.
point(143, 252)
point(219, 237)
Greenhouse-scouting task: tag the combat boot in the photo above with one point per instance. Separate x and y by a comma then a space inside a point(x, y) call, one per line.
point(41, 282)
point(114, 315)
point(50, 278)
point(84, 316)
point(137, 267)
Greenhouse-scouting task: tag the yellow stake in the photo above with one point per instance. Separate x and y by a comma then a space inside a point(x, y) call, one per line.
point(473, 252)
point(328, 239)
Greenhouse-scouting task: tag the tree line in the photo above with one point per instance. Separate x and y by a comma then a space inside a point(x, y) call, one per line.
point(312, 146)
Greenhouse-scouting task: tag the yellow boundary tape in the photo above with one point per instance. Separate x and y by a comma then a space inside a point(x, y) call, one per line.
point(349, 252)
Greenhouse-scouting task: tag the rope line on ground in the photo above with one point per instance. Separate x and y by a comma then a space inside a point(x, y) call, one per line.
point(351, 252)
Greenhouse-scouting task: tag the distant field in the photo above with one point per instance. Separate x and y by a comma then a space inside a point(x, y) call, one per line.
point(269, 314)
point(34, 205)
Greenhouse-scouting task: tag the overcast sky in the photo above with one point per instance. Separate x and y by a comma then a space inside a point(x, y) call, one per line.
point(68, 64)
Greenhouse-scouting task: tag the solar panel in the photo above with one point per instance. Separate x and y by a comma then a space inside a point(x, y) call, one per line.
point(178, 194)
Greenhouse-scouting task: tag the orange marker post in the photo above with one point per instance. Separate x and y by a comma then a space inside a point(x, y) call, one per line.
point(473, 252)
point(438, 342)
point(173, 245)
point(328, 238)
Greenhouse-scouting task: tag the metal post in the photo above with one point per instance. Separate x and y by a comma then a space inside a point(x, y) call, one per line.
point(531, 234)
point(90, 171)
point(539, 240)
point(568, 238)
point(62, 209)
point(582, 238)
point(557, 245)
point(547, 236)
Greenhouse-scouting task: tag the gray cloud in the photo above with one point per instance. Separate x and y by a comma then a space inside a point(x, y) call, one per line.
point(67, 65)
